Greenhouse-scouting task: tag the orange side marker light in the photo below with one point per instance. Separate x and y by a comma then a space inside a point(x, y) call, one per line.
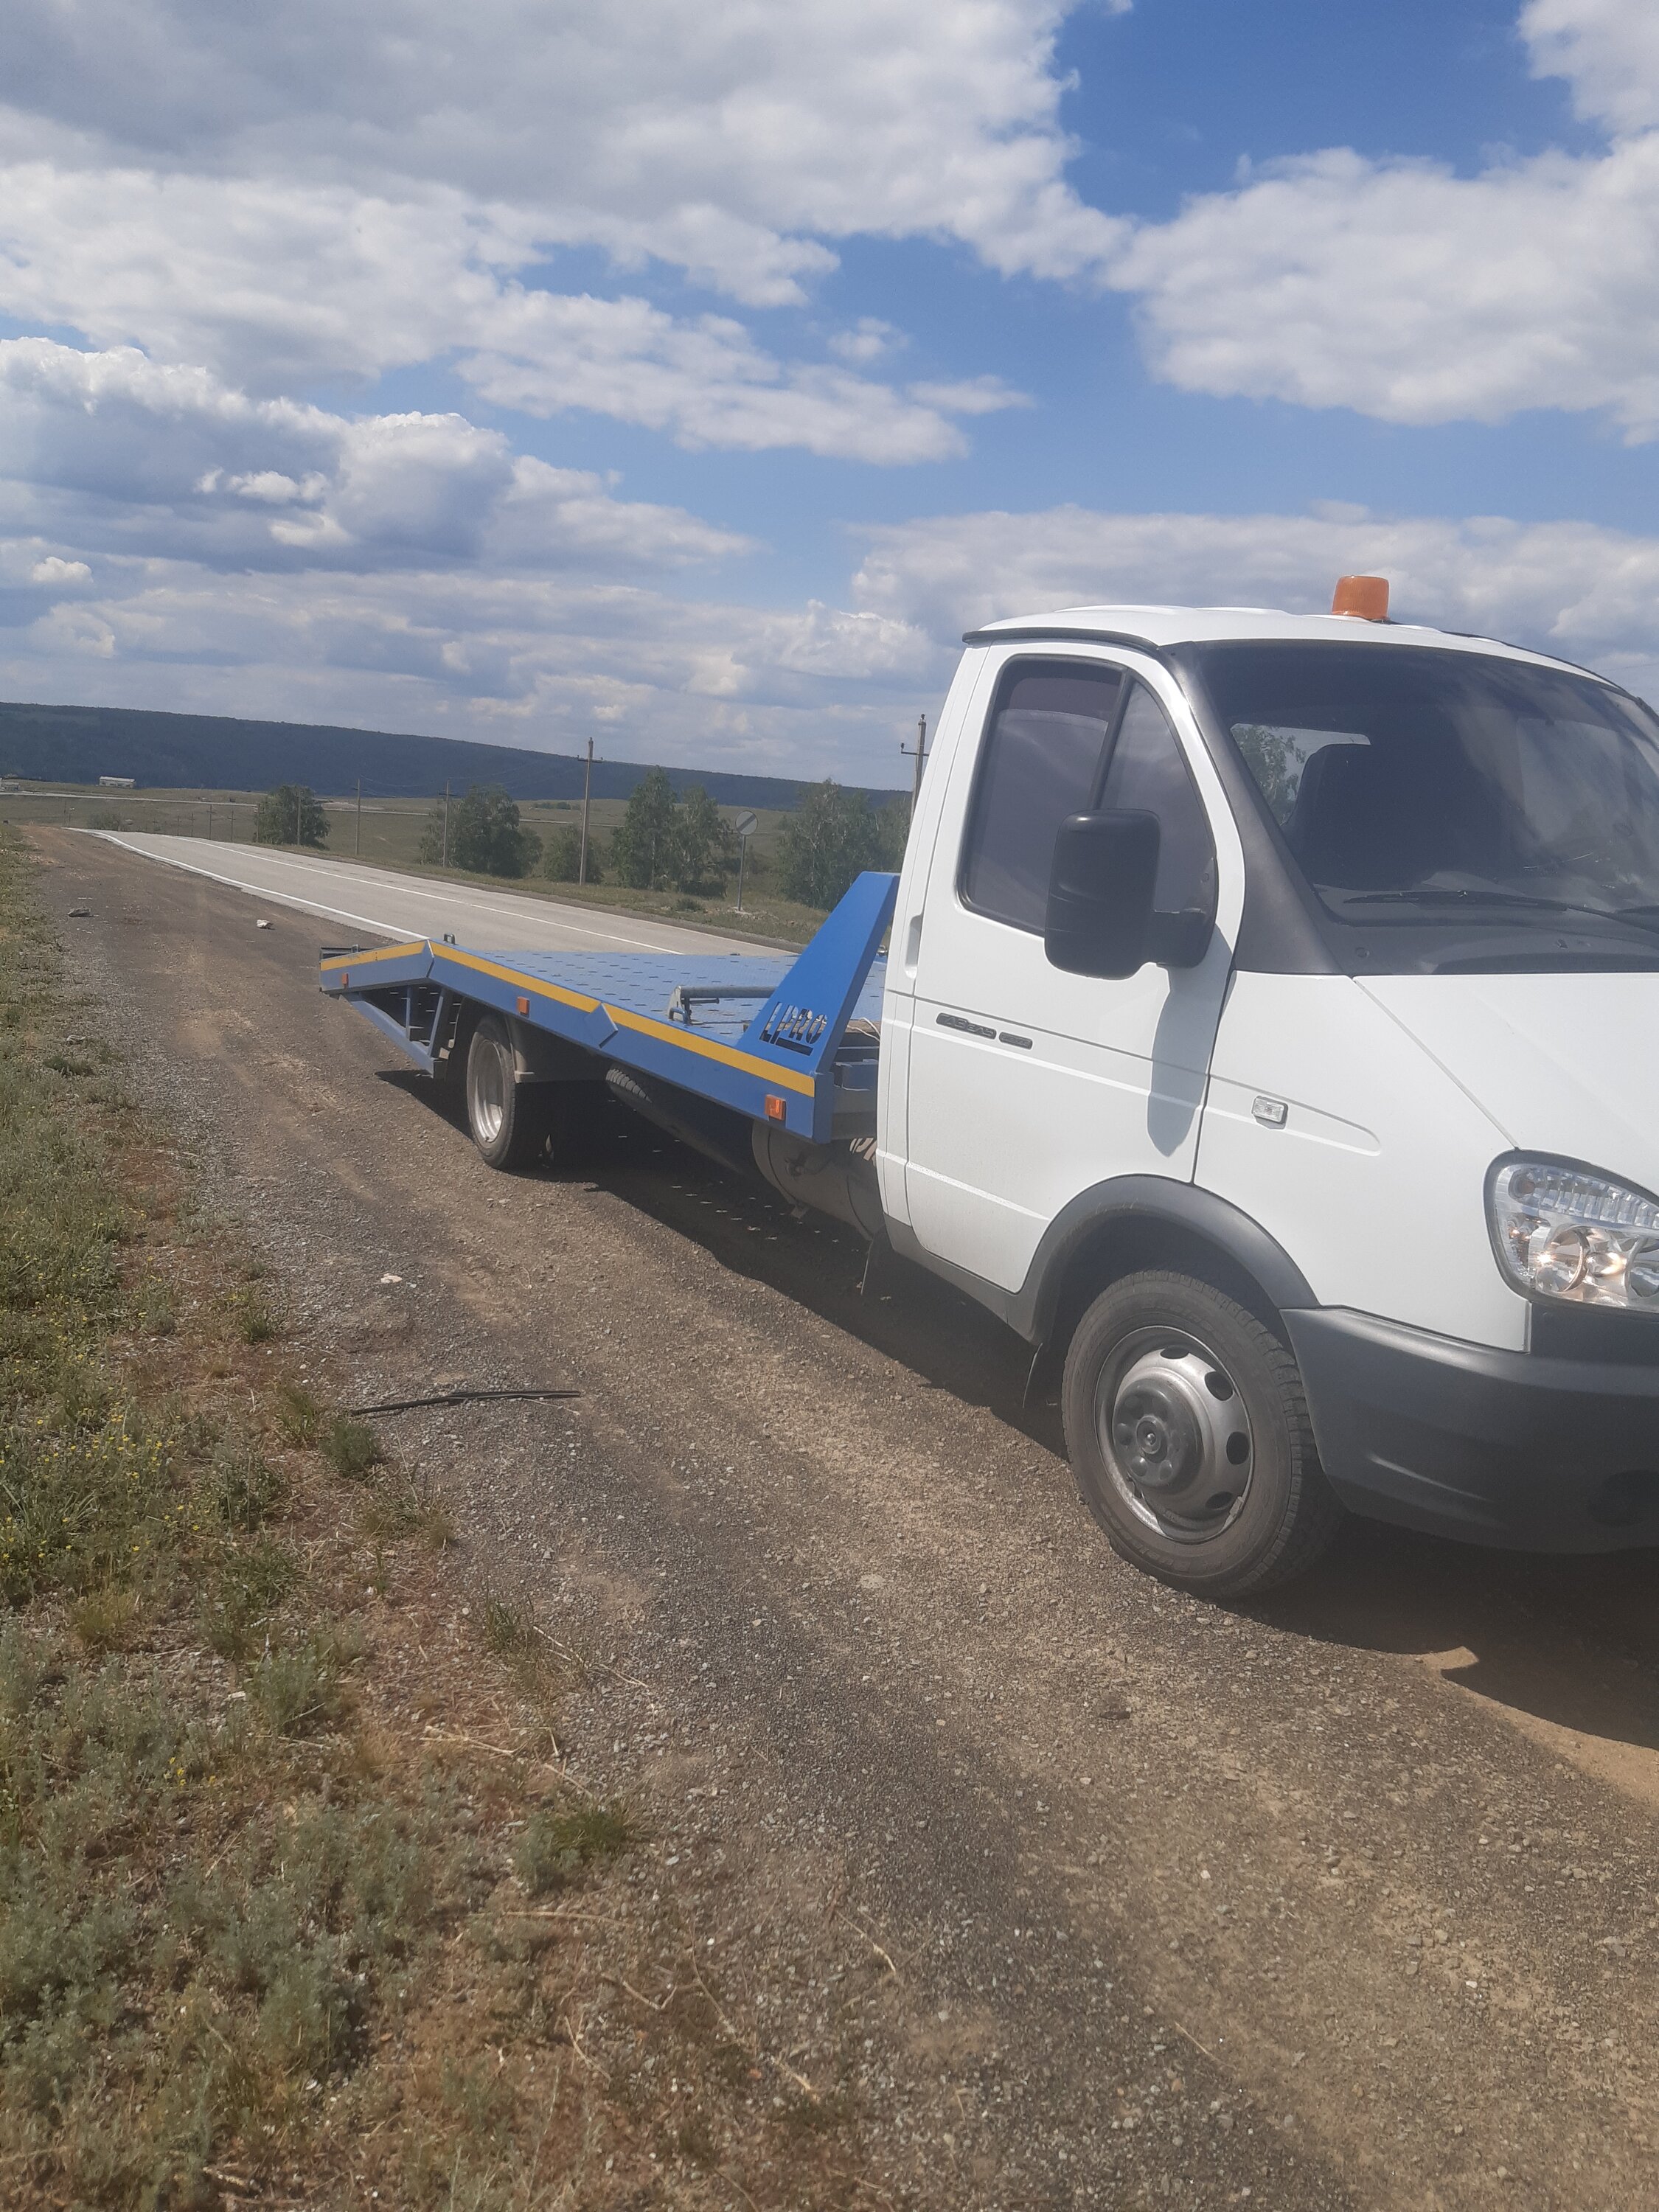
point(1364, 596)
point(524, 1005)
point(775, 1108)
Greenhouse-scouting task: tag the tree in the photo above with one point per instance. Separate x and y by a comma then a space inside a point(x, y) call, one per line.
point(486, 836)
point(705, 847)
point(562, 856)
point(831, 837)
point(1275, 762)
point(291, 815)
point(642, 850)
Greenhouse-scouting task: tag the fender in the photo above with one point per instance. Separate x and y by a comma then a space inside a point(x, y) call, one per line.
point(1123, 1199)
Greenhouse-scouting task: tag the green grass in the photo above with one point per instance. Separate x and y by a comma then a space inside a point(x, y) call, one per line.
point(211, 1893)
point(270, 1832)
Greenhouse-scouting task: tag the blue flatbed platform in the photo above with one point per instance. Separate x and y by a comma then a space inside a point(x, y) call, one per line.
point(789, 1040)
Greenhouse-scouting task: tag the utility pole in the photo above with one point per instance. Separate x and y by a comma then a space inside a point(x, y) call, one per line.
point(746, 828)
point(587, 797)
point(296, 818)
point(210, 809)
point(919, 755)
point(358, 849)
point(445, 862)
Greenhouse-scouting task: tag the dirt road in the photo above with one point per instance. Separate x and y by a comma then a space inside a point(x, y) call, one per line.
point(1349, 1899)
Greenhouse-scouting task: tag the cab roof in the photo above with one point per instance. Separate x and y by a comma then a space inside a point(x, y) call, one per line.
point(1156, 627)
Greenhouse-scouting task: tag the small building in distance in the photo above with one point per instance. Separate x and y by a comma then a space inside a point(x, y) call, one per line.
point(116, 782)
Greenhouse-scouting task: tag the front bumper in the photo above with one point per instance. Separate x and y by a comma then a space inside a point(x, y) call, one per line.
point(1505, 1448)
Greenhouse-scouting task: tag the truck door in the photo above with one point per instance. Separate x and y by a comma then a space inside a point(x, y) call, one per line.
point(1027, 1086)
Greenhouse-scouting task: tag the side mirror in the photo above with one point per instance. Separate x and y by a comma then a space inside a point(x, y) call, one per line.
point(1101, 920)
point(1100, 893)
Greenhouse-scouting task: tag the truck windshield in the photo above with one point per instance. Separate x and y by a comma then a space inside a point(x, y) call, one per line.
point(1410, 782)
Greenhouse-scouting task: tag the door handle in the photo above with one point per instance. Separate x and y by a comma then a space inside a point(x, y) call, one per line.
point(912, 943)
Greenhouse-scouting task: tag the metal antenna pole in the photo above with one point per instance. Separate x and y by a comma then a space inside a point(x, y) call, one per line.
point(919, 755)
point(587, 796)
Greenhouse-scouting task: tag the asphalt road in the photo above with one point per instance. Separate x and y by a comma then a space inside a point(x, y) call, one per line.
point(1347, 1898)
point(377, 900)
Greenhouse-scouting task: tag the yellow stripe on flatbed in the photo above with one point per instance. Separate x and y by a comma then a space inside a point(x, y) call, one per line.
point(787, 1078)
point(385, 952)
point(624, 1017)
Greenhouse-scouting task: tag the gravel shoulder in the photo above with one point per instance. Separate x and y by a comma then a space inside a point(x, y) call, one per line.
point(1348, 1899)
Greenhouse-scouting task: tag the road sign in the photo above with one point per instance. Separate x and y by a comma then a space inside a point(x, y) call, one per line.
point(747, 824)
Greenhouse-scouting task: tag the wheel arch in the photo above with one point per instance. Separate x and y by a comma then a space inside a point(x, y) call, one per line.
point(1136, 1222)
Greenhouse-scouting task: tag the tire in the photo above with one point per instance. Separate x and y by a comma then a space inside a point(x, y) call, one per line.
point(1188, 1435)
point(509, 1119)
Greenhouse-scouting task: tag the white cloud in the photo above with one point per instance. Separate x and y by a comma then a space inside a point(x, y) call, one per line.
point(1608, 50)
point(970, 395)
point(729, 138)
point(326, 192)
point(273, 283)
point(1409, 292)
point(111, 451)
point(703, 380)
point(167, 539)
point(867, 341)
point(538, 661)
point(1586, 593)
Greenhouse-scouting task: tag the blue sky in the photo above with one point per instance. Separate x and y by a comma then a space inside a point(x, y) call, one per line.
point(691, 374)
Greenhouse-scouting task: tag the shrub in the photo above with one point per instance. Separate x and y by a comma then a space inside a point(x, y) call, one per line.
point(298, 1690)
point(670, 843)
point(833, 835)
point(298, 1415)
point(243, 1491)
point(291, 815)
point(351, 1447)
point(485, 835)
point(556, 1849)
point(562, 856)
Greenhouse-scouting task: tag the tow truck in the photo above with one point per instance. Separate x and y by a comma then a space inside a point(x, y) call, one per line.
point(1264, 1025)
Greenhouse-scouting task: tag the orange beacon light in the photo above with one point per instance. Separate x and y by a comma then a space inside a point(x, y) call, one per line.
point(1366, 597)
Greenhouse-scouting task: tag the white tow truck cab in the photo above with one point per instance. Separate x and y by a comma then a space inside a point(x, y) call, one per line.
point(1269, 1029)
point(1272, 1024)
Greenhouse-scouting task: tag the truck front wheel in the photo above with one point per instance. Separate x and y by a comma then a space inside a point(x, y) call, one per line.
point(1188, 1435)
point(508, 1119)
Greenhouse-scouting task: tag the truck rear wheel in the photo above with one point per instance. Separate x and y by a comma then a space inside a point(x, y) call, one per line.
point(1189, 1436)
point(509, 1119)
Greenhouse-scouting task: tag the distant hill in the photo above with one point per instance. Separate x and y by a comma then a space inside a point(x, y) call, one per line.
point(77, 744)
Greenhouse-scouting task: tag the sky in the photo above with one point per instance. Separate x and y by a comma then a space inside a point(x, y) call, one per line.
point(690, 375)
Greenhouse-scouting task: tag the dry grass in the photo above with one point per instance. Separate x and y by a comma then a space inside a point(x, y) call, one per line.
point(298, 1903)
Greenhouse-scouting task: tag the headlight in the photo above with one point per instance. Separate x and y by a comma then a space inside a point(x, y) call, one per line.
point(1563, 1232)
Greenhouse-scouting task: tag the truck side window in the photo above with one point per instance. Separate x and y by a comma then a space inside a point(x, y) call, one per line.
point(1147, 772)
point(1040, 762)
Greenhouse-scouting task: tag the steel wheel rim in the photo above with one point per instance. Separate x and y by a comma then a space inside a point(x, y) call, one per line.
point(487, 1077)
point(1174, 1434)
